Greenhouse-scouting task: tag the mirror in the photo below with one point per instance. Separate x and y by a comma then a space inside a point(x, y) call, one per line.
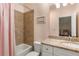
point(65, 26)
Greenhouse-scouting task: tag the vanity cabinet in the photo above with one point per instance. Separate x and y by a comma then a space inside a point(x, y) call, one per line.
point(55, 51)
point(47, 50)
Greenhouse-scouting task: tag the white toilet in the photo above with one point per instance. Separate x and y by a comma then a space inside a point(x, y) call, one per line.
point(37, 48)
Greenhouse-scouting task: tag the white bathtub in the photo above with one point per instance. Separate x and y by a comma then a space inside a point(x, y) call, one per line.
point(22, 49)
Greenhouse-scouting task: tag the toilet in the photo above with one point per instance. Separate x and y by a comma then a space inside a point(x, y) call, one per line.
point(37, 48)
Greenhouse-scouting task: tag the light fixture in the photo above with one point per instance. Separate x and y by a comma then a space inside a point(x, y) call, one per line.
point(65, 4)
point(57, 5)
point(71, 3)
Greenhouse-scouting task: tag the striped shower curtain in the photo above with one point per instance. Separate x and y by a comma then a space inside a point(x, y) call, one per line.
point(6, 30)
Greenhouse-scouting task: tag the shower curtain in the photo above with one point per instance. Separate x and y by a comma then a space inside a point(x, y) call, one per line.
point(6, 29)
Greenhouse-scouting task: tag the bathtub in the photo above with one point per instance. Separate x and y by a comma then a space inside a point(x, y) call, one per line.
point(22, 49)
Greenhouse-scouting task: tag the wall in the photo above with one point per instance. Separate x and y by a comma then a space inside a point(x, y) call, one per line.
point(29, 27)
point(19, 11)
point(64, 11)
point(19, 27)
point(41, 30)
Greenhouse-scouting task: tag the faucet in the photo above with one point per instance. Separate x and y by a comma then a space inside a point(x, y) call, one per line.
point(70, 38)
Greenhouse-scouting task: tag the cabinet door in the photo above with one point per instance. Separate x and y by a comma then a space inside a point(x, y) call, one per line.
point(47, 50)
point(63, 52)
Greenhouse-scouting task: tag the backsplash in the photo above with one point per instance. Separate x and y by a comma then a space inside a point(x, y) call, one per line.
point(65, 38)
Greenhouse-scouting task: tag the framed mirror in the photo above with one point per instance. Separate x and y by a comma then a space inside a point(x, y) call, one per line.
point(65, 26)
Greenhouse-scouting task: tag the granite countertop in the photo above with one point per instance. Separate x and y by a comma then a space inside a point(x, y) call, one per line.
point(62, 44)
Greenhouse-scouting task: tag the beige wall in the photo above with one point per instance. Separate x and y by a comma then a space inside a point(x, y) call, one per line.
point(41, 30)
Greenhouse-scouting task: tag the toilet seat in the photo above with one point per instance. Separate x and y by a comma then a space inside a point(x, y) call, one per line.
point(33, 53)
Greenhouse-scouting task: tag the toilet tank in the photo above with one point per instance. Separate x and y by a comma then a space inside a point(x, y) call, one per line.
point(37, 46)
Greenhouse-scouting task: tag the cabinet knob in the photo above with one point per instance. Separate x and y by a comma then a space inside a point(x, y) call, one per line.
point(46, 48)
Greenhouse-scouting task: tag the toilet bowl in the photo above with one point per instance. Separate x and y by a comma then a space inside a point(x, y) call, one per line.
point(37, 48)
point(33, 53)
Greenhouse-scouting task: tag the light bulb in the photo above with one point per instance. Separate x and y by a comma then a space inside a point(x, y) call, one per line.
point(64, 4)
point(57, 5)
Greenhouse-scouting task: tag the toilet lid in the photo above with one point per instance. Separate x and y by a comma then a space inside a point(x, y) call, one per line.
point(33, 53)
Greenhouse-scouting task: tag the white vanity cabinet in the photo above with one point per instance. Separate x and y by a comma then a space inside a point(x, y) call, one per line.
point(48, 50)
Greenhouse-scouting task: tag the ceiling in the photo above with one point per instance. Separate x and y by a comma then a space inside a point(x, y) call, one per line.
point(53, 5)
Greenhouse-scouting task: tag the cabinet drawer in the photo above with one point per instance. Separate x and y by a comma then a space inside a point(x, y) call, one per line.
point(63, 52)
point(46, 48)
point(46, 54)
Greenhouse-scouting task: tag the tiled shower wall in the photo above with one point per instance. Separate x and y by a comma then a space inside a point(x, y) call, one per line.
point(23, 32)
point(19, 27)
point(29, 27)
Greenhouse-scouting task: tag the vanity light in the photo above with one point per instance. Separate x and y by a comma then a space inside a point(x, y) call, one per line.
point(57, 5)
point(71, 3)
point(65, 4)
